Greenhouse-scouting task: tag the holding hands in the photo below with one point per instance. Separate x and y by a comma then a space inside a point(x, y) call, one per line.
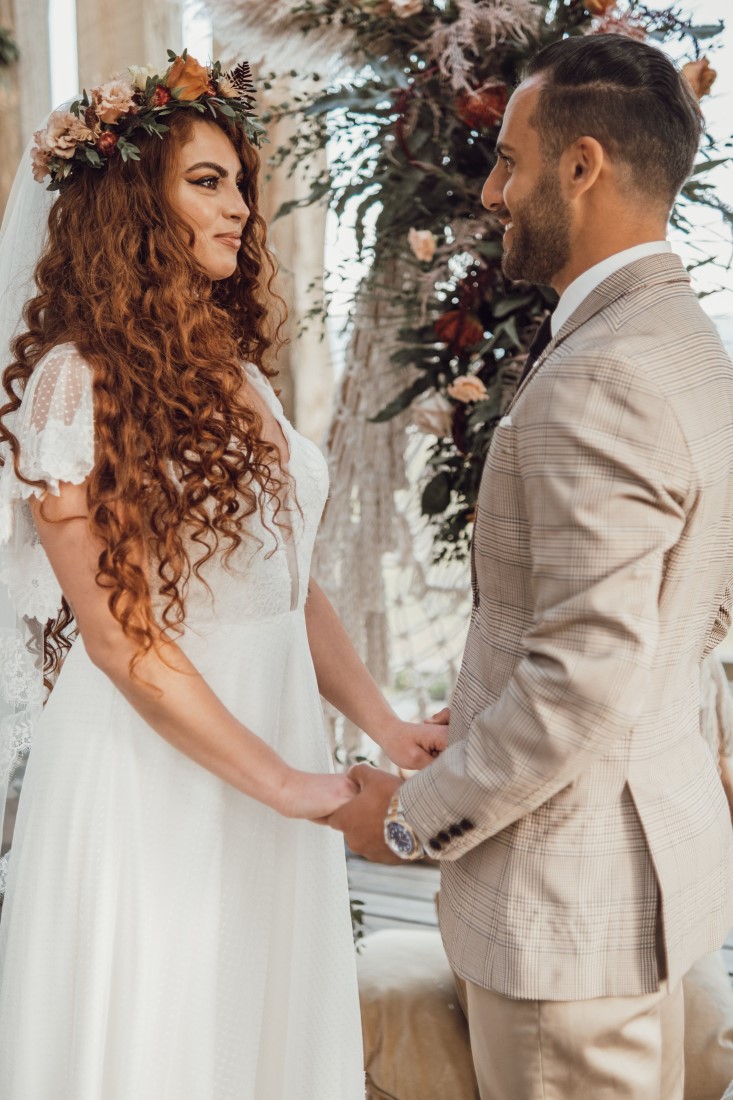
point(414, 745)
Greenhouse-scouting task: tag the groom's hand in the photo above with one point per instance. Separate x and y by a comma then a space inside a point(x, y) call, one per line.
point(361, 820)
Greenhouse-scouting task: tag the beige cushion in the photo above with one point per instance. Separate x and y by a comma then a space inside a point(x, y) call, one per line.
point(416, 1039)
point(415, 1034)
point(708, 1029)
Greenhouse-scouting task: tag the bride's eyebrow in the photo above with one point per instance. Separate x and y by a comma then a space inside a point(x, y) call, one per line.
point(209, 164)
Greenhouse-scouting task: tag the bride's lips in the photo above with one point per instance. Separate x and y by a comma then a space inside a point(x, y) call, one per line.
point(231, 240)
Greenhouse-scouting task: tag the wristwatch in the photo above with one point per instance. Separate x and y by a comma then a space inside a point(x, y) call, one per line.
point(399, 835)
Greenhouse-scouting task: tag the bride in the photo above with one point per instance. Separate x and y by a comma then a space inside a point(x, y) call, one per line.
point(174, 926)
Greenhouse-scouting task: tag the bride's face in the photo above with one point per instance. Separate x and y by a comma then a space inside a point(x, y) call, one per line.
point(206, 193)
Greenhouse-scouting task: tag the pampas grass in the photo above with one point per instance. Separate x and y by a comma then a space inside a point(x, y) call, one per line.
point(480, 25)
point(271, 35)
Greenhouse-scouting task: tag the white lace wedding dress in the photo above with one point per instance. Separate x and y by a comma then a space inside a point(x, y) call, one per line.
point(164, 937)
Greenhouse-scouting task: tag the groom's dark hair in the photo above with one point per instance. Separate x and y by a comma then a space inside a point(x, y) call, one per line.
point(628, 96)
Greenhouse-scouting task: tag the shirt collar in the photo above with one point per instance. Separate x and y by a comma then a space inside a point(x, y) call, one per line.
point(581, 287)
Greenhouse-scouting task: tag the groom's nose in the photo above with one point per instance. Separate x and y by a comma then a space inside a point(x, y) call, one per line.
point(492, 192)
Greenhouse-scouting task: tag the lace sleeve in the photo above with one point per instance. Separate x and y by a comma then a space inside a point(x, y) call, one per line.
point(55, 429)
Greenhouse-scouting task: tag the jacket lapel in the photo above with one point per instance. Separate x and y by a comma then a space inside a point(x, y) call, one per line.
point(663, 268)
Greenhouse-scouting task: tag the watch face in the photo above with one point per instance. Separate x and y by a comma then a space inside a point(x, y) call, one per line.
point(399, 839)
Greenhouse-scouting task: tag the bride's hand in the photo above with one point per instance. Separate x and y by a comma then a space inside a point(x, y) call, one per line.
point(313, 795)
point(414, 745)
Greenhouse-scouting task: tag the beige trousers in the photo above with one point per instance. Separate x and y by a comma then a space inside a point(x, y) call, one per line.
point(611, 1048)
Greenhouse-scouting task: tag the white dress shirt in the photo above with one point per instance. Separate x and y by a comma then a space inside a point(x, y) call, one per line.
point(581, 287)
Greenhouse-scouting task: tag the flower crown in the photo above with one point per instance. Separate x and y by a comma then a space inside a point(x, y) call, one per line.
point(97, 127)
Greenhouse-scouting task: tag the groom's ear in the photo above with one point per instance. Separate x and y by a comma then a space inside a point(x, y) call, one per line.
point(580, 166)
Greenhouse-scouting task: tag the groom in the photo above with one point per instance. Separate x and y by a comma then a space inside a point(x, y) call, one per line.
point(583, 834)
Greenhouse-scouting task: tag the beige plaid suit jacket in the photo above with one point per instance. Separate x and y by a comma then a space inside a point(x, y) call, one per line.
point(583, 832)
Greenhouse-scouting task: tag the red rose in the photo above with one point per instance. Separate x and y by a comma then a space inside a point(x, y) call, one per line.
point(484, 108)
point(459, 330)
point(107, 143)
point(161, 96)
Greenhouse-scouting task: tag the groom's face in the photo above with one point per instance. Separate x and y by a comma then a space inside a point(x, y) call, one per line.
point(524, 191)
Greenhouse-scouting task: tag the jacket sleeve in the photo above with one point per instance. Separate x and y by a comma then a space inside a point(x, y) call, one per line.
point(607, 483)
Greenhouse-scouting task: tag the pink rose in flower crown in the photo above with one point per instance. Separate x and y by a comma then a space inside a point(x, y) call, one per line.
point(111, 101)
point(467, 388)
point(423, 244)
point(39, 160)
point(62, 135)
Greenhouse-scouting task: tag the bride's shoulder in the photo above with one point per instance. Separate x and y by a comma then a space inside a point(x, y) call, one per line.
point(59, 389)
point(62, 376)
point(63, 360)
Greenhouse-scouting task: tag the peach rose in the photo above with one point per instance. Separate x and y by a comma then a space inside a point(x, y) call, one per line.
point(112, 100)
point(423, 244)
point(405, 8)
point(433, 414)
point(188, 79)
point(699, 76)
point(467, 388)
point(62, 135)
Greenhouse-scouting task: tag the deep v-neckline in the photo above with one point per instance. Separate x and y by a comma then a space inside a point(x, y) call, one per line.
point(268, 415)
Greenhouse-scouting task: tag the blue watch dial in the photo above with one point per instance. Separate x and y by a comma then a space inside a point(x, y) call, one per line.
point(400, 839)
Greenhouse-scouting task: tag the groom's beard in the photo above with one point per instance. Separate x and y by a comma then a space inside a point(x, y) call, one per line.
point(540, 238)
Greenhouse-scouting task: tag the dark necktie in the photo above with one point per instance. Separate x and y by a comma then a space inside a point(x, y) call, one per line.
point(541, 339)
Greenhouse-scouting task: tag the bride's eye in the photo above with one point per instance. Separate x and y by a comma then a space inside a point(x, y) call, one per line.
point(210, 182)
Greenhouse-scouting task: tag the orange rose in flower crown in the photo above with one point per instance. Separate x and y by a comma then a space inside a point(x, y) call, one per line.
point(187, 79)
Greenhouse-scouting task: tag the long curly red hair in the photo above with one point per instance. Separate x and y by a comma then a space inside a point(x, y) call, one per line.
point(180, 461)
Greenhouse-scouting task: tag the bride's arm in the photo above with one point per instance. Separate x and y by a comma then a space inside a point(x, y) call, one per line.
point(345, 681)
point(166, 689)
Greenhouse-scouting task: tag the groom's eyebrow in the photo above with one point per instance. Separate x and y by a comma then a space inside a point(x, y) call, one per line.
point(501, 148)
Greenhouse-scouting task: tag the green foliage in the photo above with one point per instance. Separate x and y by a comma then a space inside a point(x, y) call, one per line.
point(404, 153)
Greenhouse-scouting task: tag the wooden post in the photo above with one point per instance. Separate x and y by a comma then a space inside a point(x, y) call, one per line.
point(25, 86)
point(114, 35)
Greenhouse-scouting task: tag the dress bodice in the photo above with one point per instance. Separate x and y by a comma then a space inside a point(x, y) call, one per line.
point(268, 573)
